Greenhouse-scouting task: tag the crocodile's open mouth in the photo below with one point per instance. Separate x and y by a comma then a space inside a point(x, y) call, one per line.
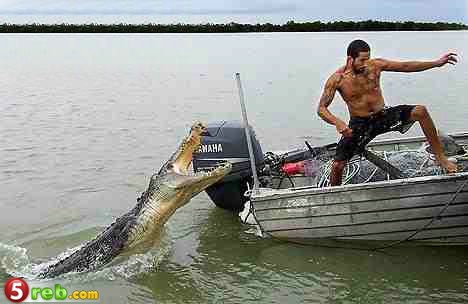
point(181, 160)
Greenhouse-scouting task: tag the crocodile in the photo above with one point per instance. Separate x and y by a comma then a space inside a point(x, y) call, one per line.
point(168, 190)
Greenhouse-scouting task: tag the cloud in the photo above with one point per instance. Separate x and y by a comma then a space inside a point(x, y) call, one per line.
point(145, 7)
point(280, 10)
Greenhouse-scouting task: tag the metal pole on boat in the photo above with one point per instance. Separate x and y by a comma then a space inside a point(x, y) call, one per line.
point(247, 133)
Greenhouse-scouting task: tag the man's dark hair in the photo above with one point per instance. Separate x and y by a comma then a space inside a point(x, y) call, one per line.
point(356, 47)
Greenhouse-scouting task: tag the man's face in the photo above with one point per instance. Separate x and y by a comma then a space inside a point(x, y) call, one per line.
point(359, 64)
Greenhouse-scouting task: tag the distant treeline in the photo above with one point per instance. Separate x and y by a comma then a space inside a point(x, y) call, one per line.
point(291, 26)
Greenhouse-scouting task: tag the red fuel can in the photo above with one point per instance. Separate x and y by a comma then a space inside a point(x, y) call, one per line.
point(293, 168)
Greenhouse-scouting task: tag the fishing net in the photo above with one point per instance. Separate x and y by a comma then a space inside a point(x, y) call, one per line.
point(412, 163)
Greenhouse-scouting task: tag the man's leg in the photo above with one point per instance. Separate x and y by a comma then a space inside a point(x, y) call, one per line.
point(337, 172)
point(421, 115)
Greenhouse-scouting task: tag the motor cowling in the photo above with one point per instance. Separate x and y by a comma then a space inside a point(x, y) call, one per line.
point(225, 141)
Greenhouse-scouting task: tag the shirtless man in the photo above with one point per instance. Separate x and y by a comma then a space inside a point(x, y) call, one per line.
point(359, 85)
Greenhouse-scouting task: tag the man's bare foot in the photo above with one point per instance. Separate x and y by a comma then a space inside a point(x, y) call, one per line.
point(448, 165)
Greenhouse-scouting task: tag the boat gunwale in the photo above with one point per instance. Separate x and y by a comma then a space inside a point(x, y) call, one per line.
point(414, 139)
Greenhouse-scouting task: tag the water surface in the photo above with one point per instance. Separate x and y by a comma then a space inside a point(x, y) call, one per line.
point(86, 119)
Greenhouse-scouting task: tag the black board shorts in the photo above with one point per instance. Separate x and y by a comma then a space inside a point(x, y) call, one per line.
point(367, 128)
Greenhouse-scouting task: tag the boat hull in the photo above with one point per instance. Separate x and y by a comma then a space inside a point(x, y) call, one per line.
point(425, 210)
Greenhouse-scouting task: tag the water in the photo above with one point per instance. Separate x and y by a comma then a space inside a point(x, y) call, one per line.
point(86, 119)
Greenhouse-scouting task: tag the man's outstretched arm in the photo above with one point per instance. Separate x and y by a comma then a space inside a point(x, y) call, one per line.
point(327, 97)
point(416, 66)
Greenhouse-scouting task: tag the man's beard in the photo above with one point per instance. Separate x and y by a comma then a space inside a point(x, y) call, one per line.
point(361, 70)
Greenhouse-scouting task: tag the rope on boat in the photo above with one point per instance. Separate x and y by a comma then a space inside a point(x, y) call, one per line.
point(428, 223)
point(386, 159)
point(353, 167)
point(372, 175)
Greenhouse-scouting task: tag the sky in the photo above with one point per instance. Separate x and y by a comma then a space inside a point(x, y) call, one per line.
point(225, 11)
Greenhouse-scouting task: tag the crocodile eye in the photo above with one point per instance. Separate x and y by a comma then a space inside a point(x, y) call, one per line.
point(199, 126)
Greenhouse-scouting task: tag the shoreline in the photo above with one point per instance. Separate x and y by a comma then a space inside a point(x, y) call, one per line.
point(230, 28)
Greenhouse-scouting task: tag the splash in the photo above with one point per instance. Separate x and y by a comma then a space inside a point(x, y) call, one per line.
point(15, 261)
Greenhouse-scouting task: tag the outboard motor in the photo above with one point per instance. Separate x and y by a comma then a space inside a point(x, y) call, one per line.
point(225, 141)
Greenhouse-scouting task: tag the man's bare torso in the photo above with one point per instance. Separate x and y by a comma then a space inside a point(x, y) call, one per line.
point(361, 92)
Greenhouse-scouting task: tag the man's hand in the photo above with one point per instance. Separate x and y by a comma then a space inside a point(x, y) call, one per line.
point(343, 129)
point(450, 58)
